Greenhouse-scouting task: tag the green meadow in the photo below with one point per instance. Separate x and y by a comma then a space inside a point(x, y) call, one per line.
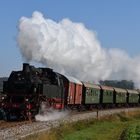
point(115, 127)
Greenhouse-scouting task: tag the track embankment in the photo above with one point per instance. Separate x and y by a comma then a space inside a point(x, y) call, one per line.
point(24, 130)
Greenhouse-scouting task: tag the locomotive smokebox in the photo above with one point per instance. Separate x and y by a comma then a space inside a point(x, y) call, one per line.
point(26, 67)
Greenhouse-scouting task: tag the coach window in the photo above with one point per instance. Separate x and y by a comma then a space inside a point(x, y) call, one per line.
point(96, 92)
point(107, 93)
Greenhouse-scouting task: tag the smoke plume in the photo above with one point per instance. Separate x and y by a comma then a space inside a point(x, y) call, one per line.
point(70, 48)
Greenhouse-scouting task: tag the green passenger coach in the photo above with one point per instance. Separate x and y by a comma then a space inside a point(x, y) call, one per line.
point(120, 95)
point(107, 95)
point(133, 96)
point(92, 93)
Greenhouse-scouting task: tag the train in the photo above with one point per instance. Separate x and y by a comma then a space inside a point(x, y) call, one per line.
point(26, 90)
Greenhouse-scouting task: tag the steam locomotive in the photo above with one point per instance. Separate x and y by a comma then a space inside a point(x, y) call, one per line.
point(26, 90)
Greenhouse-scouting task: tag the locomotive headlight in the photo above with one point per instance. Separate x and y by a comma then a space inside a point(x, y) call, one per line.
point(2, 98)
point(26, 99)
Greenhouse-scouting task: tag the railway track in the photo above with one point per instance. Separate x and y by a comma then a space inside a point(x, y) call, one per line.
point(14, 124)
point(6, 125)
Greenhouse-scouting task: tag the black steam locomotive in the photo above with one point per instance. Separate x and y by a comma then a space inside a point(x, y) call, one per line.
point(25, 90)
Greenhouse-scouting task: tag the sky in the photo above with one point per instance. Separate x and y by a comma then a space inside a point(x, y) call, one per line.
point(116, 23)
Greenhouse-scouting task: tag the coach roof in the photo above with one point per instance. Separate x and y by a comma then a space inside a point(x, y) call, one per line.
point(132, 91)
point(73, 80)
point(120, 90)
point(107, 88)
point(89, 85)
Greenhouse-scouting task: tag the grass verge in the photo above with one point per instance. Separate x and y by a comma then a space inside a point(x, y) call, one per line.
point(123, 126)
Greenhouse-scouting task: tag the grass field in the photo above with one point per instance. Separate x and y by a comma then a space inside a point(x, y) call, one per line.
point(116, 127)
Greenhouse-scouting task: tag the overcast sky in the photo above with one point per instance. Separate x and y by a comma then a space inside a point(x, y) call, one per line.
point(116, 22)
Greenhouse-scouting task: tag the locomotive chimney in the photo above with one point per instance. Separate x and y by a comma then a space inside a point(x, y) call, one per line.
point(26, 67)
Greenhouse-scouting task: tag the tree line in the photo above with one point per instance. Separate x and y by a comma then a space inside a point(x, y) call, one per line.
point(119, 84)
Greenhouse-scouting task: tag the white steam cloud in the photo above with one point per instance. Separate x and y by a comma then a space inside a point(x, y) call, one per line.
point(72, 49)
point(49, 114)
